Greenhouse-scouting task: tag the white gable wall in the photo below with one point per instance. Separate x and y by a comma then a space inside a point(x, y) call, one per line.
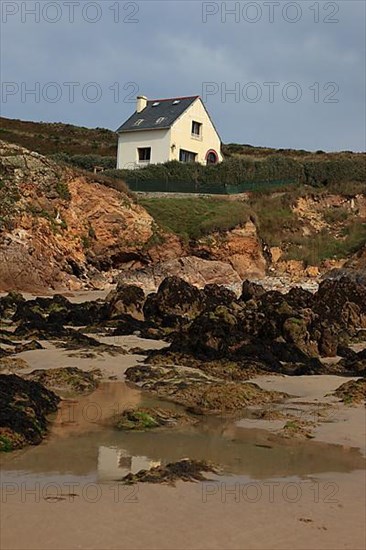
point(181, 135)
point(129, 142)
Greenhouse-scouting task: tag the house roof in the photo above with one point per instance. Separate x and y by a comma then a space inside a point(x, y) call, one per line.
point(158, 114)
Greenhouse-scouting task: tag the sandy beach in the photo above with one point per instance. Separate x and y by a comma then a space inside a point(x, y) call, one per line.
point(58, 510)
point(324, 512)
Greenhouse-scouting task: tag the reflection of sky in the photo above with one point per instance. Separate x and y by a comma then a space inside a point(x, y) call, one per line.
point(170, 51)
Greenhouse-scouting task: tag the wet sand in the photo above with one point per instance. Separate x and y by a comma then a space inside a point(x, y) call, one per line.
point(289, 500)
point(341, 425)
point(328, 514)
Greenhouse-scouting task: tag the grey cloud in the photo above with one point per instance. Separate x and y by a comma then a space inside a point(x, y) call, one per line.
point(172, 52)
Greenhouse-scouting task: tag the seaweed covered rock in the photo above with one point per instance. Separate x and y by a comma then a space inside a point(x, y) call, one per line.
point(125, 324)
point(175, 298)
point(58, 310)
point(225, 398)
point(342, 302)
point(67, 338)
point(71, 380)
point(183, 470)
point(9, 304)
point(298, 323)
point(24, 405)
point(126, 300)
point(240, 336)
point(354, 363)
point(215, 295)
point(149, 418)
point(200, 392)
point(295, 331)
point(11, 365)
point(210, 334)
point(352, 392)
point(299, 298)
point(251, 291)
point(165, 380)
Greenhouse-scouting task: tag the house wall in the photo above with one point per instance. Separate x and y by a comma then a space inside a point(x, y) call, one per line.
point(129, 142)
point(181, 134)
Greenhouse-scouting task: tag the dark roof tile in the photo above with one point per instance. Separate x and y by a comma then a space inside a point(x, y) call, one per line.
point(158, 114)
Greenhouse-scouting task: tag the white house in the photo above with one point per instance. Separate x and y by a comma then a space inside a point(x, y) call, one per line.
point(162, 130)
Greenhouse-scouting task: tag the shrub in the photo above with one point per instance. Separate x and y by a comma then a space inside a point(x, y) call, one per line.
point(86, 162)
point(336, 215)
point(317, 248)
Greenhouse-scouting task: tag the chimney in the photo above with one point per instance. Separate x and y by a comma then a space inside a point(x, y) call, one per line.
point(141, 103)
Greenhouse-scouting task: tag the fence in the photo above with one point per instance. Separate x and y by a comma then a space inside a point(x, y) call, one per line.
point(214, 189)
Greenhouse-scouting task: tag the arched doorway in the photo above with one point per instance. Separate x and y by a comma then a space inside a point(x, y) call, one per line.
point(212, 157)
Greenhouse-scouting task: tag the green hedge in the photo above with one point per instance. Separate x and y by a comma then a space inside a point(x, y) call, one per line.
point(242, 172)
point(229, 172)
point(320, 173)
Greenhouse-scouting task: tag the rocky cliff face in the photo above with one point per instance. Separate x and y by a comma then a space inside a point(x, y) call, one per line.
point(63, 230)
point(240, 247)
point(59, 228)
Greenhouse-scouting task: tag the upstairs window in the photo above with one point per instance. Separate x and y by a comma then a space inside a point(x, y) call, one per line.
point(196, 129)
point(144, 154)
point(187, 156)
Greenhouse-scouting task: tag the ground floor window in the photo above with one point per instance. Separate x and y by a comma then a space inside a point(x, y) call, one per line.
point(212, 157)
point(187, 156)
point(144, 154)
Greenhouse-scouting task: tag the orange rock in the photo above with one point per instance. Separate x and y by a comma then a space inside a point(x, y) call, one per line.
point(312, 271)
point(276, 253)
point(240, 247)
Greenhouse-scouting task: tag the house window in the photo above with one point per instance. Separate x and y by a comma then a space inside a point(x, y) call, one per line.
point(212, 157)
point(138, 122)
point(144, 154)
point(187, 156)
point(196, 129)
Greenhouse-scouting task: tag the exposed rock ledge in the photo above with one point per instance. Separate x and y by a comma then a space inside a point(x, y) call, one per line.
point(193, 270)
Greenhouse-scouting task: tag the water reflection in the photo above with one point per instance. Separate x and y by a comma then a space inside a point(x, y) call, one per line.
point(81, 445)
point(114, 463)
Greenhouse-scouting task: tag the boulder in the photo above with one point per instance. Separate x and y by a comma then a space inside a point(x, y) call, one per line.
point(24, 406)
point(126, 300)
point(174, 298)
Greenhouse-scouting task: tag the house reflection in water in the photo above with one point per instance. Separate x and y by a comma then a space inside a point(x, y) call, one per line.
point(114, 463)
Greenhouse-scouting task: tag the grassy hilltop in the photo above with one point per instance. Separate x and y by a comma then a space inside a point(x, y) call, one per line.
point(86, 148)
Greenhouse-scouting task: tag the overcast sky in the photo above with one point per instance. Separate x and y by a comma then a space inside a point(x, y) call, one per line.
point(281, 74)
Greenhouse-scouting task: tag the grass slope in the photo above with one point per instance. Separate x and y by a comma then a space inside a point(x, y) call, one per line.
point(192, 217)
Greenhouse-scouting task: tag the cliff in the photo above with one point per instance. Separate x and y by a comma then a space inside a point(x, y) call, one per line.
point(62, 229)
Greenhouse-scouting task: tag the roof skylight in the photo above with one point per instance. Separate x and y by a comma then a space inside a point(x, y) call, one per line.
point(156, 103)
point(138, 122)
point(176, 102)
